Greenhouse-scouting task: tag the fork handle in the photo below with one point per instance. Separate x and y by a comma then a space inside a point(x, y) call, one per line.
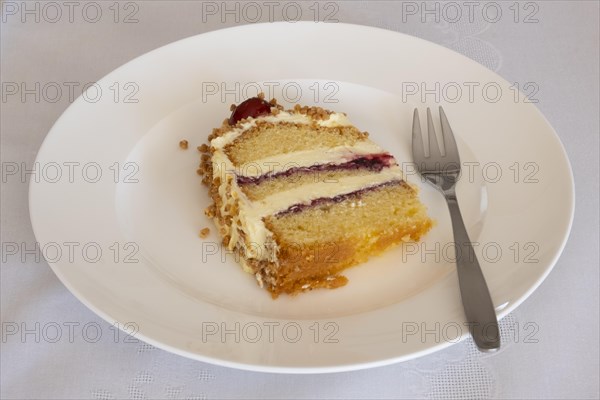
point(474, 292)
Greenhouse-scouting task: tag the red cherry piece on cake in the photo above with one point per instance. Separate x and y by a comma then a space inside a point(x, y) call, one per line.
point(253, 107)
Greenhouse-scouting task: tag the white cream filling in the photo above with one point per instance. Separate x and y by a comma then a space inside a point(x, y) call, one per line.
point(307, 158)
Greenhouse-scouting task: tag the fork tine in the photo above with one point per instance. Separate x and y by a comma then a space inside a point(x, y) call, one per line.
point(449, 141)
point(434, 151)
point(417, 138)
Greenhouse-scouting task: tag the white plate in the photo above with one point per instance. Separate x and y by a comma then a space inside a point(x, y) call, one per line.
point(185, 295)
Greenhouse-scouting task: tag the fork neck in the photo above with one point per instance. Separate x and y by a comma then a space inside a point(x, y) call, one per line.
point(446, 183)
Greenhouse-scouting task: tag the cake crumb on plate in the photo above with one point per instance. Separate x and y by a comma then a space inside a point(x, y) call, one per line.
point(204, 233)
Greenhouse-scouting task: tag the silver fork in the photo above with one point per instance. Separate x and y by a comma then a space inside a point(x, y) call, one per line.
point(441, 167)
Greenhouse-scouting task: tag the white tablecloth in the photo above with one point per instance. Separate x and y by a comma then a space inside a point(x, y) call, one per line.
point(551, 341)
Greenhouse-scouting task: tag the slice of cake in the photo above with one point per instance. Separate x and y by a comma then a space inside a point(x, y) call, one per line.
point(301, 194)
